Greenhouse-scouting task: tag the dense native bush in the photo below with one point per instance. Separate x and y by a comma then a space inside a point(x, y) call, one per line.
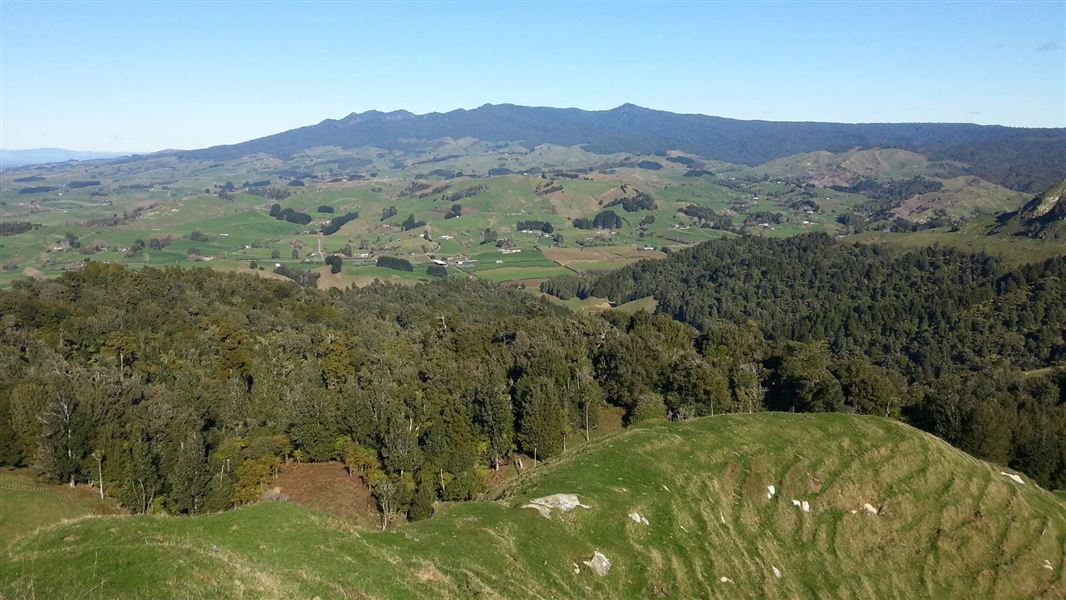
point(289, 214)
point(606, 219)
point(939, 320)
point(641, 201)
point(397, 264)
point(532, 225)
point(410, 223)
point(14, 227)
point(186, 388)
point(447, 377)
point(336, 223)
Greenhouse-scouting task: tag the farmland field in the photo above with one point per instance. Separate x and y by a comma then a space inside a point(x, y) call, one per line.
point(172, 211)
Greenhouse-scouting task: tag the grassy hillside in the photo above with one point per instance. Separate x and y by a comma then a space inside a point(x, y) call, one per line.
point(946, 526)
point(1013, 250)
point(28, 504)
point(961, 198)
point(61, 216)
point(842, 168)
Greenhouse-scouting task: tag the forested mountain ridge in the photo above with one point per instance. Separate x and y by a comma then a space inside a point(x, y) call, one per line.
point(1021, 159)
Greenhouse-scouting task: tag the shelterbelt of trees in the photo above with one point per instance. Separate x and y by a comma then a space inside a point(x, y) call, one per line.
point(968, 336)
point(183, 390)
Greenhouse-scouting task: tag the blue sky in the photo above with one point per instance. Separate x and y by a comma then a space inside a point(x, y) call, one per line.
point(148, 76)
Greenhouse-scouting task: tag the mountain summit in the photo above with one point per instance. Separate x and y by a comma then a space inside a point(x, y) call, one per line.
point(1023, 159)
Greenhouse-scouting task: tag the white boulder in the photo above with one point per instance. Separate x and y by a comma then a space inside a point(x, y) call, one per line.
point(600, 564)
point(562, 502)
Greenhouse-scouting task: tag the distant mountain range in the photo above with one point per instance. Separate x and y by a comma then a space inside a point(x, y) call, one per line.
point(1019, 158)
point(41, 156)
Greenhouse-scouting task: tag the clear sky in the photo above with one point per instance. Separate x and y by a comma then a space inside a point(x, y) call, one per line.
point(148, 76)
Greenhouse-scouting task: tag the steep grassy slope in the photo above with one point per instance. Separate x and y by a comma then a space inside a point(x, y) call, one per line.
point(947, 526)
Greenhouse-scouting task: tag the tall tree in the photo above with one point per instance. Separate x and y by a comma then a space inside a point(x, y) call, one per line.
point(189, 477)
point(542, 416)
point(495, 415)
point(64, 437)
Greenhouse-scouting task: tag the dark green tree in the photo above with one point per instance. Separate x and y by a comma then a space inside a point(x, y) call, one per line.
point(334, 263)
point(424, 497)
point(189, 477)
point(542, 417)
point(495, 416)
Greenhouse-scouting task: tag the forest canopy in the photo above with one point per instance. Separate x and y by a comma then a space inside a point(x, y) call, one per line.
point(186, 389)
point(924, 312)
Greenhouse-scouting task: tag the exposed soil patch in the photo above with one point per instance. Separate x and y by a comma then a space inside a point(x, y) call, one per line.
point(266, 274)
point(619, 254)
point(510, 467)
point(532, 284)
point(328, 488)
point(367, 280)
point(34, 274)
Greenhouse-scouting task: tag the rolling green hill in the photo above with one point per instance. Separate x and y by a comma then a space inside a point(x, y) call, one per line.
point(903, 184)
point(165, 209)
point(679, 509)
point(847, 167)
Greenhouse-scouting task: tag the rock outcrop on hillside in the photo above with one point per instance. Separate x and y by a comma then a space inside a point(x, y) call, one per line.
point(1042, 217)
